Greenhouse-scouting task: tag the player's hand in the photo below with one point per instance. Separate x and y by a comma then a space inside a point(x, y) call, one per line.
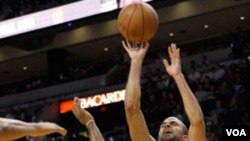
point(136, 51)
point(51, 127)
point(173, 69)
point(81, 114)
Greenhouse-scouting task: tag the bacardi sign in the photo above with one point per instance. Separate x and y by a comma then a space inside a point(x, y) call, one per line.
point(94, 101)
point(103, 99)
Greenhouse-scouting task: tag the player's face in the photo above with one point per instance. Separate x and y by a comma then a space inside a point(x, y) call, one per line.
point(171, 130)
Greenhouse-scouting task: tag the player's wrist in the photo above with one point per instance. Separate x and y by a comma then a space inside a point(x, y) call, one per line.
point(89, 123)
point(178, 76)
point(136, 62)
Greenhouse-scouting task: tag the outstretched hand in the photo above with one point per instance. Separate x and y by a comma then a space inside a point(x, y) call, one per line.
point(51, 127)
point(174, 67)
point(136, 51)
point(81, 114)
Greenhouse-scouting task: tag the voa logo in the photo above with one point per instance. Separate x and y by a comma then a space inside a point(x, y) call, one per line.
point(236, 132)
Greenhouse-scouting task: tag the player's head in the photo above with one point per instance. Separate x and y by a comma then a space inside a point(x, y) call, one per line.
point(172, 129)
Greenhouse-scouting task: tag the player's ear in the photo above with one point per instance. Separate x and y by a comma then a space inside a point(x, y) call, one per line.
point(184, 138)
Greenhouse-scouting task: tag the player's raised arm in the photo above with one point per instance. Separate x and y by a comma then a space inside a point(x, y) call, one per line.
point(88, 120)
point(137, 126)
point(191, 105)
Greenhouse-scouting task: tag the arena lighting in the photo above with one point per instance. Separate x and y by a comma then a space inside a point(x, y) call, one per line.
point(242, 18)
point(69, 24)
point(94, 101)
point(56, 16)
point(25, 68)
point(106, 49)
point(171, 34)
point(205, 26)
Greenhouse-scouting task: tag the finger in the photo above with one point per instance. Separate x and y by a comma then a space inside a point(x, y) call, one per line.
point(165, 62)
point(175, 49)
point(172, 46)
point(142, 45)
point(63, 131)
point(146, 46)
point(178, 53)
point(174, 53)
point(125, 46)
point(170, 52)
point(79, 105)
point(134, 45)
point(128, 43)
point(77, 101)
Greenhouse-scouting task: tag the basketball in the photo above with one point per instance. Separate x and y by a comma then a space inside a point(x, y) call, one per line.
point(138, 22)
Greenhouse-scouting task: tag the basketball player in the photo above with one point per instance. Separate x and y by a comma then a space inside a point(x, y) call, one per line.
point(88, 120)
point(171, 129)
point(11, 129)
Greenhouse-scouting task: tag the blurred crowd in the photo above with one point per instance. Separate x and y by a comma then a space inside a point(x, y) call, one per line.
point(222, 90)
point(238, 42)
point(76, 72)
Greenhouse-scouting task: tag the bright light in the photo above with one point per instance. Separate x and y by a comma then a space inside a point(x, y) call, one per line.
point(25, 68)
point(242, 18)
point(69, 24)
point(106, 49)
point(205, 26)
point(171, 34)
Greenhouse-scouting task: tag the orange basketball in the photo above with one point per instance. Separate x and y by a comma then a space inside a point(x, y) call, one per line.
point(138, 22)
